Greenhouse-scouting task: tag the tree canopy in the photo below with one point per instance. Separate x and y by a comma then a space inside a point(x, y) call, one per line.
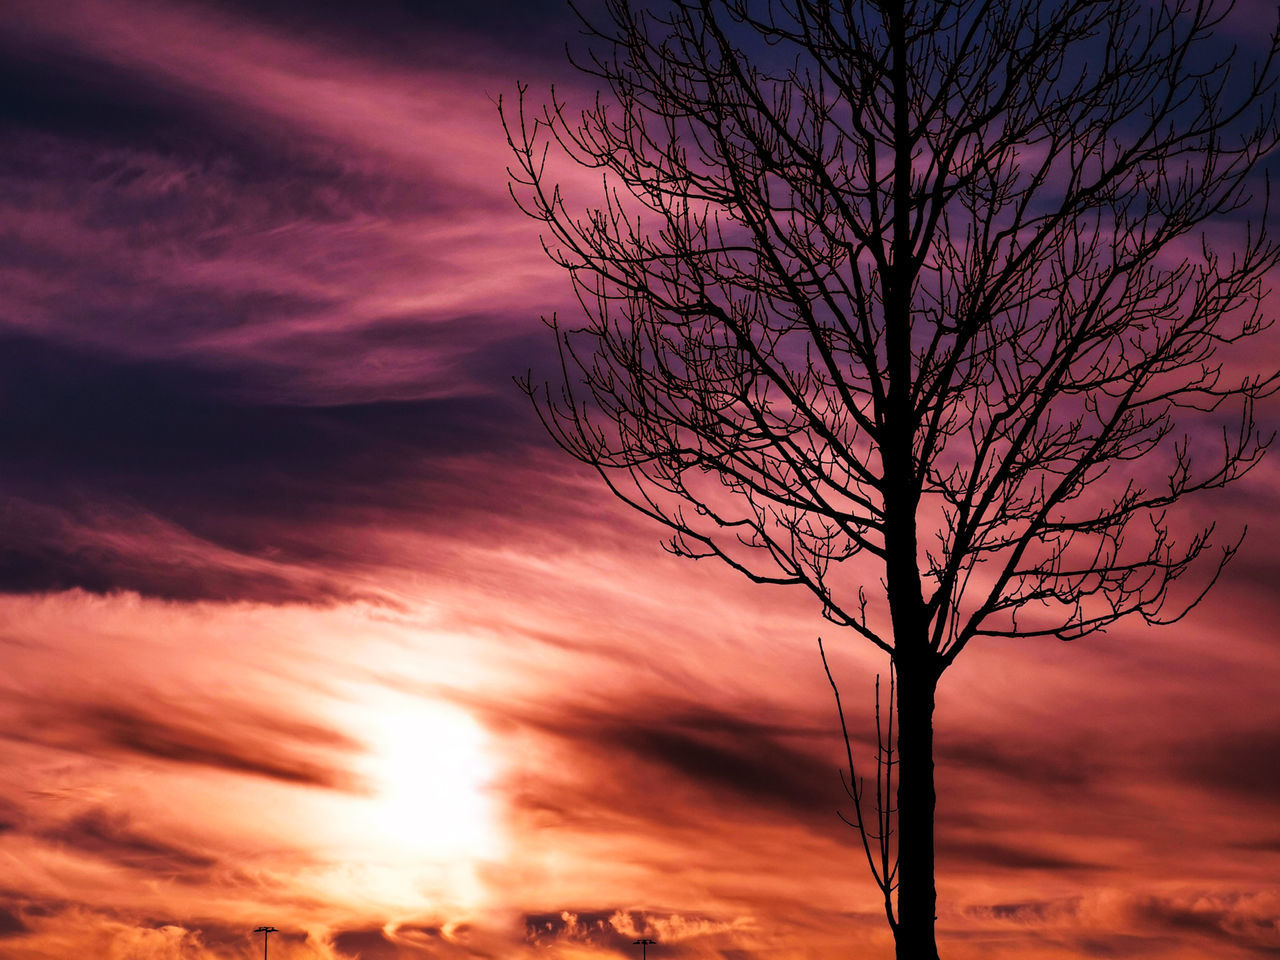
point(928, 307)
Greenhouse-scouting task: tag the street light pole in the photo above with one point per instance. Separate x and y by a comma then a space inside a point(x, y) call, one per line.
point(264, 931)
point(644, 946)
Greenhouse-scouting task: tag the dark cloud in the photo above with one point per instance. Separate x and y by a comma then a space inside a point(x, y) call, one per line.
point(750, 762)
point(86, 434)
point(162, 162)
point(1152, 926)
point(1017, 761)
point(115, 838)
point(28, 906)
point(734, 759)
point(366, 944)
point(1025, 911)
point(1123, 945)
point(224, 739)
point(74, 412)
point(262, 756)
point(11, 817)
point(1241, 762)
point(248, 455)
point(420, 31)
point(46, 549)
point(1262, 845)
point(11, 924)
point(590, 926)
point(616, 929)
point(1215, 919)
point(203, 194)
point(992, 855)
point(47, 87)
point(129, 149)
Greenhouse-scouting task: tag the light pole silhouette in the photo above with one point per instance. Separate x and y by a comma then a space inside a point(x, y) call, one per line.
point(644, 946)
point(265, 931)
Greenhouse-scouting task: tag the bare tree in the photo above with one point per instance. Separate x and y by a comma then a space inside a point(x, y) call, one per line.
point(915, 305)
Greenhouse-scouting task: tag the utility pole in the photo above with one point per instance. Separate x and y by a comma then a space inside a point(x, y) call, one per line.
point(265, 931)
point(644, 943)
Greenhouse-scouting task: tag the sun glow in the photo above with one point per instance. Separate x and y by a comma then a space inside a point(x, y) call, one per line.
point(423, 821)
point(428, 769)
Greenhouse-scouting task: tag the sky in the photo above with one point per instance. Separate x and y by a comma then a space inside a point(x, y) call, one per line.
point(305, 622)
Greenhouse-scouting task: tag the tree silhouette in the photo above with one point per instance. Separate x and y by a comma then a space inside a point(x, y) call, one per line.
point(916, 305)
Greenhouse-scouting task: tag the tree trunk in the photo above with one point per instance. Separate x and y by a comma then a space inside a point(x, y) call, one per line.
point(917, 896)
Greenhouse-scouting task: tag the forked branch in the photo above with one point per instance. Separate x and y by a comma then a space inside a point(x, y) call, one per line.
point(883, 861)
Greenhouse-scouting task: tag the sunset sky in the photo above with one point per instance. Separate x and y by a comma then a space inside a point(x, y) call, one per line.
point(305, 622)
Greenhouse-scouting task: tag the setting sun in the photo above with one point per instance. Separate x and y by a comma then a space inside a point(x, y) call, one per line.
point(429, 771)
